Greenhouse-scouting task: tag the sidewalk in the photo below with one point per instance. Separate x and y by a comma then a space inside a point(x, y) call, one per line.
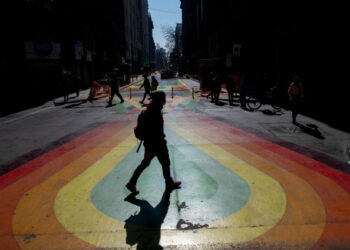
point(310, 136)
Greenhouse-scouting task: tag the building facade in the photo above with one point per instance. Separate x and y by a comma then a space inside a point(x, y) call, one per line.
point(177, 53)
point(244, 36)
point(271, 40)
point(80, 40)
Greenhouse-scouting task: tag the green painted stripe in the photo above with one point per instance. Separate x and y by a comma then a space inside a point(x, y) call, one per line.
point(209, 190)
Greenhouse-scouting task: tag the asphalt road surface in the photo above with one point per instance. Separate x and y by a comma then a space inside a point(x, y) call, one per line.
point(250, 179)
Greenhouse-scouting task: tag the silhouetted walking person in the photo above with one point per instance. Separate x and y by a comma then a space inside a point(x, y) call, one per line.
point(230, 86)
point(146, 84)
point(116, 81)
point(216, 88)
point(243, 92)
point(154, 83)
point(210, 81)
point(296, 95)
point(154, 142)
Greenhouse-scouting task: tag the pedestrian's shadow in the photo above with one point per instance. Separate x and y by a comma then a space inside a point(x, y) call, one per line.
point(72, 104)
point(68, 102)
point(144, 228)
point(310, 129)
point(219, 103)
point(272, 112)
point(247, 109)
point(110, 105)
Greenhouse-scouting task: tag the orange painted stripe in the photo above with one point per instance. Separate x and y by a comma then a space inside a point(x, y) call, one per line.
point(10, 196)
point(334, 197)
point(295, 198)
point(42, 201)
point(18, 173)
point(341, 178)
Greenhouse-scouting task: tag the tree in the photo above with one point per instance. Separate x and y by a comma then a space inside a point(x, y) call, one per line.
point(169, 35)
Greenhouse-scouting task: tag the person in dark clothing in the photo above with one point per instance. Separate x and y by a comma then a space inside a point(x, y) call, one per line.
point(216, 88)
point(115, 82)
point(243, 92)
point(230, 86)
point(210, 81)
point(154, 83)
point(146, 84)
point(66, 85)
point(154, 143)
point(296, 95)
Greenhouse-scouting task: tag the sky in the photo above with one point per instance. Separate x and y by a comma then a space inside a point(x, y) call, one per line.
point(164, 13)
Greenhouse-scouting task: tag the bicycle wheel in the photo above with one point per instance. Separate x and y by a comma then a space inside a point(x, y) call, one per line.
point(253, 103)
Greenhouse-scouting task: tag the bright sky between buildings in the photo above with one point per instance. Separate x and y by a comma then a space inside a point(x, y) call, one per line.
point(164, 13)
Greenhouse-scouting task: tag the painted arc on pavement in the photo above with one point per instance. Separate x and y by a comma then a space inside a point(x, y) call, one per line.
point(76, 212)
point(307, 224)
point(218, 233)
point(317, 203)
point(328, 184)
point(34, 213)
point(205, 199)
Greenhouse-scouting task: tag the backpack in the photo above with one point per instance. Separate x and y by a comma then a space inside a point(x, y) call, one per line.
point(140, 129)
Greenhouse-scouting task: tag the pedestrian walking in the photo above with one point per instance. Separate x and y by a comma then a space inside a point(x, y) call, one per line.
point(296, 95)
point(146, 84)
point(243, 92)
point(115, 82)
point(66, 86)
point(154, 83)
point(210, 81)
point(230, 86)
point(154, 143)
point(216, 88)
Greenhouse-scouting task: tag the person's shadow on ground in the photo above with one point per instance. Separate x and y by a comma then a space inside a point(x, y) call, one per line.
point(110, 105)
point(272, 112)
point(144, 228)
point(310, 129)
point(68, 102)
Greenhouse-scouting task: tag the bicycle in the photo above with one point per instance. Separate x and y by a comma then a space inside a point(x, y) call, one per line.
point(269, 96)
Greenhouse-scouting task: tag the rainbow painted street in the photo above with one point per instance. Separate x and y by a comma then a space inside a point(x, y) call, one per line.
point(238, 188)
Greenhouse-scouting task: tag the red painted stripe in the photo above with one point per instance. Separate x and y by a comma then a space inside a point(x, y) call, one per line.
point(40, 161)
point(12, 194)
point(339, 177)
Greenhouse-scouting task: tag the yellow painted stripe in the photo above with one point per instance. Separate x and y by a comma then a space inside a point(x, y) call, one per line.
point(74, 208)
point(34, 214)
point(264, 208)
point(305, 213)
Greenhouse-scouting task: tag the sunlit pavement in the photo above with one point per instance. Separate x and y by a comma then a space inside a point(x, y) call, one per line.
point(239, 189)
